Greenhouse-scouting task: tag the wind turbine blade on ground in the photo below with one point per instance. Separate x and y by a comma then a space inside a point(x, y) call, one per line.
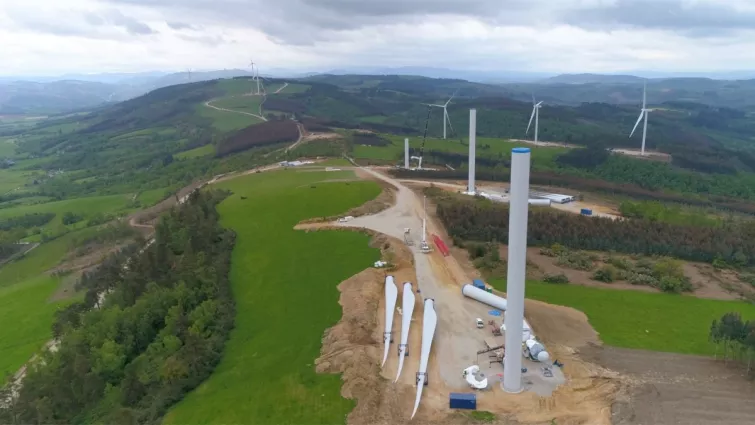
point(642, 112)
point(531, 117)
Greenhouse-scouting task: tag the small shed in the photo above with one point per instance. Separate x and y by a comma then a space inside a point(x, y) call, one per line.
point(463, 401)
point(585, 211)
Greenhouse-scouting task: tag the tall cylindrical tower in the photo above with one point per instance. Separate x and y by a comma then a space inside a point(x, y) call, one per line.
point(517, 262)
point(472, 142)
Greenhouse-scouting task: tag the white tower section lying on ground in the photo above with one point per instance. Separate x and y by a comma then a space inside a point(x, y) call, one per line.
point(429, 321)
point(517, 261)
point(407, 306)
point(406, 153)
point(391, 293)
point(472, 142)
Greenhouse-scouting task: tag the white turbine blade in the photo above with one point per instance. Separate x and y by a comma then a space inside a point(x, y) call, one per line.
point(448, 119)
point(637, 123)
point(452, 96)
point(533, 98)
point(530, 123)
point(539, 103)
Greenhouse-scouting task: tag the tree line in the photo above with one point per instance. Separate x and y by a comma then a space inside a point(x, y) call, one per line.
point(482, 220)
point(267, 133)
point(737, 337)
point(152, 326)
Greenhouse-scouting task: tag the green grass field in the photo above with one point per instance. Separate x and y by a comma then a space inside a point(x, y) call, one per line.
point(7, 147)
point(12, 178)
point(85, 207)
point(335, 162)
point(541, 156)
point(27, 307)
point(649, 321)
point(249, 104)
point(199, 152)
point(152, 196)
point(227, 121)
point(284, 283)
point(25, 290)
point(237, 86)
point(294, 88)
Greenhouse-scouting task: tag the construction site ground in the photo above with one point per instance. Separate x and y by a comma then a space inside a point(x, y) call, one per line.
point(603, 385)
point(676, 389)
point(581, 393)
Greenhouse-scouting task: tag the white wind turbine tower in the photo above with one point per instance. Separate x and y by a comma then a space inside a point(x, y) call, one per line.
point(643, 114)
point(446, 119)
point(255, 75)
point(536, 115)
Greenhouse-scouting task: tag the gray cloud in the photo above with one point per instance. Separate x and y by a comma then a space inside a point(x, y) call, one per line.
point(131, 25)
point(90, 24)
point(181, 26)
point(302, 21)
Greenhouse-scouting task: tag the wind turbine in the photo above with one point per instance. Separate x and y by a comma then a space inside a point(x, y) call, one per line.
point(446, 119)
point(643, 114)
point(536, 115)
point(255, 75)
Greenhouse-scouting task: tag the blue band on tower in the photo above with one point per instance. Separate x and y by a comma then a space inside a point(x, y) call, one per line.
point(520, 150)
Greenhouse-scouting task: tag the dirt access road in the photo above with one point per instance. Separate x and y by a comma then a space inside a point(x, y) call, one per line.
point(210, 105)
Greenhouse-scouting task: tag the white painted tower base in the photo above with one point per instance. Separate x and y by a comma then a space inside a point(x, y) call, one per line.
point(517, 262)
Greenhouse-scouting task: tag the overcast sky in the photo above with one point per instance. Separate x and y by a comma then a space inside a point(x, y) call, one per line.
point(45, 37)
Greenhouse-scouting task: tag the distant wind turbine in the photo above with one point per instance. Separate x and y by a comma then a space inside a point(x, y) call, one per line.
point(446, 119)
point(536, 115)
point(255, 75)
point(643, 114)
point(188, 71)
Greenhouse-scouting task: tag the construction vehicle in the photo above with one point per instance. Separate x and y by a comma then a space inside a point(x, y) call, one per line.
point(408, 237)
point(480, 323)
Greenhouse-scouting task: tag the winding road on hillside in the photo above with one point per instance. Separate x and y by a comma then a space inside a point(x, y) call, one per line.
point(210, 105)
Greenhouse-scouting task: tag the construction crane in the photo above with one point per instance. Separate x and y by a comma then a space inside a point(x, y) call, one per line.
point(424, 138)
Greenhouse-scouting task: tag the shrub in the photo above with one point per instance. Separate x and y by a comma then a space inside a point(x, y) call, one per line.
point(643, 279)
point(606, 274)
point(554, 250)
point(675, 285)
point(619, 262)
point(577, 260)
point(556, 278)
point(71, 218)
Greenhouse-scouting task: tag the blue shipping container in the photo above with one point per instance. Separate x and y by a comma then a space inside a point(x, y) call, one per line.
point(463, 401)
point(586, 211)
point(477, 283)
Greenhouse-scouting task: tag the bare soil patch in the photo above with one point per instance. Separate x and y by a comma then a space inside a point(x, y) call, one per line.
point(667, 388)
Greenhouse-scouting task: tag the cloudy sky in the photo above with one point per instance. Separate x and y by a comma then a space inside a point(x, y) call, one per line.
point(45, 37)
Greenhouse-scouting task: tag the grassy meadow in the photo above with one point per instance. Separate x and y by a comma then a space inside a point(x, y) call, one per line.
point(250, 104)
point(642, 320)
point(206, 150)
point(485, 147)
point(284, 283)
point(226, 121)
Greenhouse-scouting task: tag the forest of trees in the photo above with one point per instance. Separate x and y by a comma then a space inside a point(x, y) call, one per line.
point(482, 220)
point(157, 334)
point(267, 133)
point(737, 337)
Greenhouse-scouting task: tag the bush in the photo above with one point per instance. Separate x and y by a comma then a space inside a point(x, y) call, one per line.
point(556, 278)
point(606, 274)
point(619, 262)
point(577, 260)
point(675, 285)
point(643, 279)
point(71, 218)
point(553, 251)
